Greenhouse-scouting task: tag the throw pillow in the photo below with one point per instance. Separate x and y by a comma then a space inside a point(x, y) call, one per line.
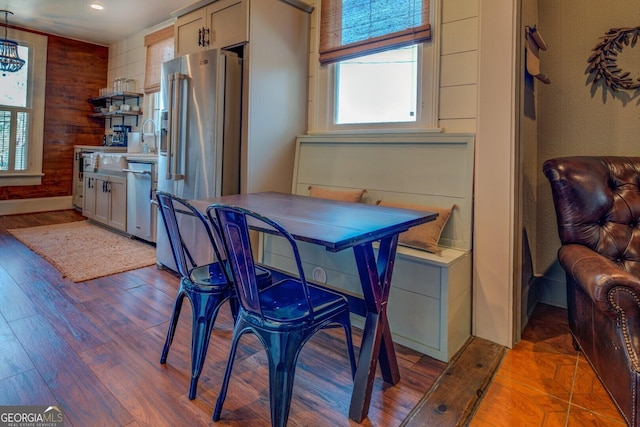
point(342, 195)
point(424, 236)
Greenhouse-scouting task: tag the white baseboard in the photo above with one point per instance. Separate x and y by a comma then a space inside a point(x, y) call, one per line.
point(44, 204)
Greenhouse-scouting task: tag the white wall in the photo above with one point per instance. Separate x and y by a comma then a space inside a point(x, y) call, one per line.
point(459, 66)
point(127, 59)
point(493, 308)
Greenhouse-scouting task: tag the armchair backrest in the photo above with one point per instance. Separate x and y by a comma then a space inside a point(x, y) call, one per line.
point(597, 202)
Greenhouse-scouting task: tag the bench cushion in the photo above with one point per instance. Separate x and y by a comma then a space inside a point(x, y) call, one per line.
point(342, 195)
point(425, 236)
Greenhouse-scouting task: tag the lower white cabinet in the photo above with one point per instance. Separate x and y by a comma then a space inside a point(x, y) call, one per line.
point(80, 166)
point(105, 199)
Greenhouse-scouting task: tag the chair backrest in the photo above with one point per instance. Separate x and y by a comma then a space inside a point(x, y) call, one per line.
point(185, 261)
point(597, 202)
point(233, 223)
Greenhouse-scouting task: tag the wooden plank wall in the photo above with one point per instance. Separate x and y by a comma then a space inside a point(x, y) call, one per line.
point(75, 72)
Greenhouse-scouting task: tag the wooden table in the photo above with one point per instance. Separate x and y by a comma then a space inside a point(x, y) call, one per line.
point(338, 226)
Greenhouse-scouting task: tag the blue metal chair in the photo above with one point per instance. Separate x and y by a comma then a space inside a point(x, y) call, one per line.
point(284, 316)
point(206, 286)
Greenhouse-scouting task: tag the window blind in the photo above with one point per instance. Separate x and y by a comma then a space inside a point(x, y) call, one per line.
point(352, 28)
point(159, 49)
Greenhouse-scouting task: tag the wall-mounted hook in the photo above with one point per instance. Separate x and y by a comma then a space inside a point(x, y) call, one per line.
point(535, 43)
point(535, 35)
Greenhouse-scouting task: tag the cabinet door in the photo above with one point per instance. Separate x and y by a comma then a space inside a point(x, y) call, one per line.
point(228, 23)
point(187, 38)
point(102, 199)
point(117, 190)
point(89, 196)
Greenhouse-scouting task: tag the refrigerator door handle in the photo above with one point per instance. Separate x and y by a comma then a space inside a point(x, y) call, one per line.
point(170, 121)
point(136, 172)
point(176, 143)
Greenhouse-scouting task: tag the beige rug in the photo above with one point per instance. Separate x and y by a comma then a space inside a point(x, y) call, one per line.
point(84, 251)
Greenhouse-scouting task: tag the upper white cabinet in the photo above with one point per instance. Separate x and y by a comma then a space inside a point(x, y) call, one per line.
point(217, 25)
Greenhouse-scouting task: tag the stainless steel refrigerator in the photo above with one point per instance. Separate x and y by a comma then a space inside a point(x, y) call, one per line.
point(199, 153)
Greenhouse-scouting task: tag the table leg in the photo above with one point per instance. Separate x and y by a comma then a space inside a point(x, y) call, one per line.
point(377, 345)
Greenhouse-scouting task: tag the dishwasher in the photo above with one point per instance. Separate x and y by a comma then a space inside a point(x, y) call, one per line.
point(141, 191)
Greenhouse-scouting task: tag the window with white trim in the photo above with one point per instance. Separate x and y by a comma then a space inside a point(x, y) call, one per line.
point(378, 66)
point(22, 113)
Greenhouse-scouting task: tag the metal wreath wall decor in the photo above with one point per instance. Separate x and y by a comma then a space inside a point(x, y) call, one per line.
point(603, 62)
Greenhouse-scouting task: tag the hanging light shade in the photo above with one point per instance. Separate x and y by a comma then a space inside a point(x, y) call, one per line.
point(9, 59)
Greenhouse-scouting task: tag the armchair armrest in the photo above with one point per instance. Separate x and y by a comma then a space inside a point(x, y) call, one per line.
point(596, 274)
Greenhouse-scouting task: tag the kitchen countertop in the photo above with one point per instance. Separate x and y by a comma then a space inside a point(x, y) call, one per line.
point(141, 157)
point(115, 163)
point(120, 151)
point(102, 148)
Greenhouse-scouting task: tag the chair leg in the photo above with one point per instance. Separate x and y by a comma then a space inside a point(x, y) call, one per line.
point(205, 310)
point(237, 332)
point(349, 338)
point(177, 306)
point(283, 358)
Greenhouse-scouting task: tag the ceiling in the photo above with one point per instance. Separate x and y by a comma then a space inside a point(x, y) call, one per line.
point(75, 19)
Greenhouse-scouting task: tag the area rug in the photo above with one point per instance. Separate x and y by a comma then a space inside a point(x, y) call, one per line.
point(84, 251)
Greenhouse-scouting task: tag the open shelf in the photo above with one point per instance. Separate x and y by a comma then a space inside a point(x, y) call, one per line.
point(116, 114)
point(117, 98)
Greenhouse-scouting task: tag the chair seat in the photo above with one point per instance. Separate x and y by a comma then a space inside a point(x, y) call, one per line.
point(209, 275)
point(213, 276)
point(284, 302)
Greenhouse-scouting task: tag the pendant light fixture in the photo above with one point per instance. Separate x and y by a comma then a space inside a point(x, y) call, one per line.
point(10, 61)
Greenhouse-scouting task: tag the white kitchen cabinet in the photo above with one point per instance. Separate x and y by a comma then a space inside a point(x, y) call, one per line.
point(105, 199)
point(89, 199)
point(79, 169)
point(221, 24)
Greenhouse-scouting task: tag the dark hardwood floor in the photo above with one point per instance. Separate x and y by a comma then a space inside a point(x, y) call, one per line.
point(93, 349)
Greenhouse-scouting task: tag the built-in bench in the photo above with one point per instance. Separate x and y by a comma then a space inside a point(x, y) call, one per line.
point(430, 300)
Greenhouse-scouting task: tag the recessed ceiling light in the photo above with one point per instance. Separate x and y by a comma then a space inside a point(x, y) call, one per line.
point(97, 6)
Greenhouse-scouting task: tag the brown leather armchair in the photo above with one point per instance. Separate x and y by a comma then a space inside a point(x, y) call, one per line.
point(597, 202)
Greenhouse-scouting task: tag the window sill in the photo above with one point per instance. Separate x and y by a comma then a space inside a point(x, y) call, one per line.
point(20, 180)
point(349, 132)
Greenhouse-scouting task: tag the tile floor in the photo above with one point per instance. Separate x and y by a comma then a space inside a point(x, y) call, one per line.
point(543, 381)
